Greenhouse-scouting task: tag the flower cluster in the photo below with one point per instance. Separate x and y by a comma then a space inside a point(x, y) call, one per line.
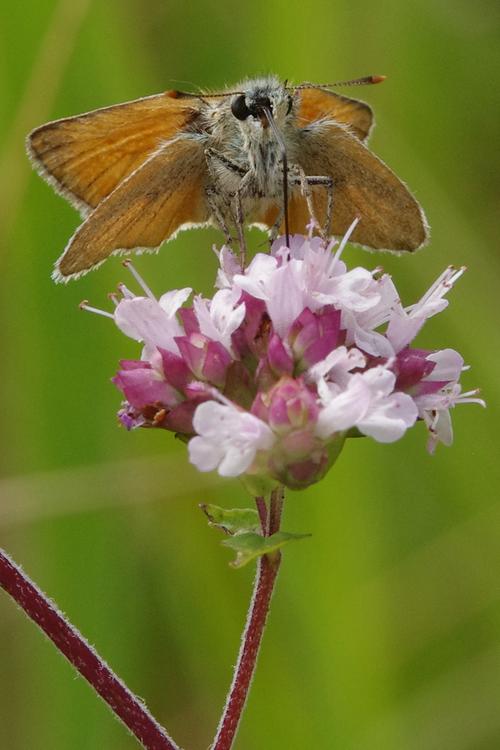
point(289, 357)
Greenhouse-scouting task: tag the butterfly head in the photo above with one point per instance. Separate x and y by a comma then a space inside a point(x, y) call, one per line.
point(261, 100)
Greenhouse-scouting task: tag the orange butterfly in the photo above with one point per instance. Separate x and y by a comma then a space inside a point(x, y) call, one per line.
point(263, 153)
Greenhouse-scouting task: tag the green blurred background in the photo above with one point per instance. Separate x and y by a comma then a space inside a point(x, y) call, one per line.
point(385, 629)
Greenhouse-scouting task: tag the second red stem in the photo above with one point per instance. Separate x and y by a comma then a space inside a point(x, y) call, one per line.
point(267, 570)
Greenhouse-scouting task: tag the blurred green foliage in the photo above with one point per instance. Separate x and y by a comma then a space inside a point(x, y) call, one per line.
point(385, 627)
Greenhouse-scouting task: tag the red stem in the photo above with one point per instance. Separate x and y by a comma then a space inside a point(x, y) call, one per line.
point(262, 511)
point(267, 570)
point(275, 510)
point(83, 657)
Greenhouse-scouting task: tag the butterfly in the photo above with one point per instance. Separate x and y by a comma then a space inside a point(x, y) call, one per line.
point(261, 153)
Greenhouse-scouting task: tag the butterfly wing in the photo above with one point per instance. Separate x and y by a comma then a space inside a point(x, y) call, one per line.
point(87, 156)
point(319, 104)
point(164, 195)
point(363, 187)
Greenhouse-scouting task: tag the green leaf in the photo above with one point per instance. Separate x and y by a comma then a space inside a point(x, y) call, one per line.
point(232, 521)
point(249, 546)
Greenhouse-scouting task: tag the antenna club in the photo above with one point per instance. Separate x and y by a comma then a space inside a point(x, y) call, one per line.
point(378, 79)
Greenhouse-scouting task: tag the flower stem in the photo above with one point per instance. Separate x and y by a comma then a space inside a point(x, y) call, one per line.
point(267, 571)
point(39, 608)
point(262, 511)
point(275, 510)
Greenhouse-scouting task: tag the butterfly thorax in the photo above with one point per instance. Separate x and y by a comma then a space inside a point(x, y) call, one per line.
point(264, 164)
point(252, 154)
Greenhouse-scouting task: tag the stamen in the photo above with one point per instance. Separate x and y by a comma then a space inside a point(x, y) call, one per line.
point(469, 397)
point(129, 265)
point(114, 298)
point(440, 287)
point(125, 291)
point(440, 281)
point(459, 272)
point(345, 238)
point(84, 305)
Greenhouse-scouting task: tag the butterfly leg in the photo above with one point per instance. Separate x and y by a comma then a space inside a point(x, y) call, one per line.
point(239, 224)
point(213, 203)
point(298, 178)
point(212, 155)
point(327, 183)
point(306, 182)
point(273, 231)
point(231, 200)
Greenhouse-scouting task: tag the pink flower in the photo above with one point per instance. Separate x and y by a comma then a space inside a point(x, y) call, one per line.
point(288, 358)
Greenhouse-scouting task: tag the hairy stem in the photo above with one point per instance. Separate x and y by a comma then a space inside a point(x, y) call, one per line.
point(275, 510)
point(39, 608)
point(262, 511)
point(267, 571)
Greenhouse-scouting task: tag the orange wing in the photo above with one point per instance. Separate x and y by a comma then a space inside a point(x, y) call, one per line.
point(162, 196)
point(363, 186)
point(87, 156)
point(319, 104)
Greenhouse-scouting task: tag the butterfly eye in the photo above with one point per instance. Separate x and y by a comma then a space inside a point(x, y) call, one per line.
point(290, 103)
point(239, 108)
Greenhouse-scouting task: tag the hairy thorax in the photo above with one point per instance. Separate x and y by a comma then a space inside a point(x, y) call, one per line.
point(255, 154)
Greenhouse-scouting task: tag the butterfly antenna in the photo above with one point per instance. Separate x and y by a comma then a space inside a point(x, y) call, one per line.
point(284, 158)
point(354, 82)
point(219, 94)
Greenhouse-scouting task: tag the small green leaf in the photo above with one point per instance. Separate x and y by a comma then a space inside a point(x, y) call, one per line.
point(232, 521)
point(249, 546)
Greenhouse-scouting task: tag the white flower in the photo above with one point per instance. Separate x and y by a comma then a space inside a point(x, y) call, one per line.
point(219, 318)
point(336, 367)
point(390, 414)
point(257, 279)
point(361, 324)
point(405, 323)
point(344, 409)
point(370, 341)
point(317, 267)
point(449, 365)
point(434, 409)
point(150, 321)
point(227, 438)
point(370, 404)
point(280, 286)
point(307, 275)
point(229, 266)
